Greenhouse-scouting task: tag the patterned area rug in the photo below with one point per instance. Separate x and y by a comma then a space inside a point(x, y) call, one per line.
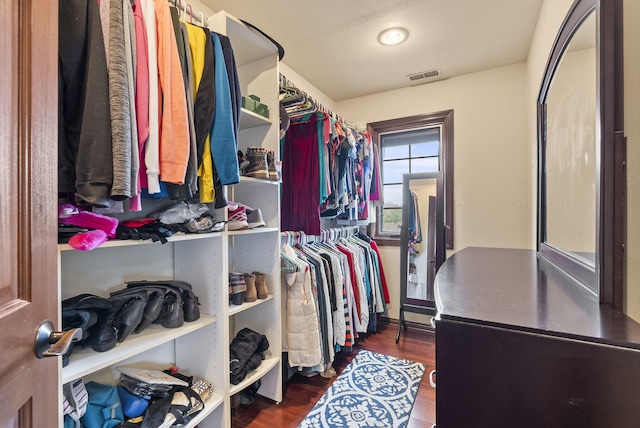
point(374, 390)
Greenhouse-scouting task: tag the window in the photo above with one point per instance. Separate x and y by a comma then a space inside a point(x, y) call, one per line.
point(404, 152)
point(413, 144)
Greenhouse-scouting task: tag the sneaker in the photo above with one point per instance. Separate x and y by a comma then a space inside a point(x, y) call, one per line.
point(254, 218)
point(257, 157)
point(237, 217)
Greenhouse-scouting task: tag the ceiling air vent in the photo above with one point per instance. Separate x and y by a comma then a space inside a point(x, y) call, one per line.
point(424, 76)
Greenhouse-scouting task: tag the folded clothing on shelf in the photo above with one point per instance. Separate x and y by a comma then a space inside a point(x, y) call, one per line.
point(252, 103)
point(246, 353)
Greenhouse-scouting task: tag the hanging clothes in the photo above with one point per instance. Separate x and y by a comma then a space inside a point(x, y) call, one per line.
point(345, 165)
point(85, 161)
point(300, 179)
point(346, 284)
point(154, 93)
point(303, 335)
point(174, 132)
point(141, 100)
point(224, 145)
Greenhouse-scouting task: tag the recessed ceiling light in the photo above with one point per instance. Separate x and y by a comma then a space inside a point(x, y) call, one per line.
point(393, 36)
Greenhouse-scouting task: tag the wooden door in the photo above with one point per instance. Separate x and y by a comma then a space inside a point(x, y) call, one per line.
point(29, 394)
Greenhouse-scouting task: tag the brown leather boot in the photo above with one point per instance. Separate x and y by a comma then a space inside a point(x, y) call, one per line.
point(261, 285)
point(250, 294)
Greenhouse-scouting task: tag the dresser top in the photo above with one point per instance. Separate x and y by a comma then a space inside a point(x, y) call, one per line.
point(517, 289)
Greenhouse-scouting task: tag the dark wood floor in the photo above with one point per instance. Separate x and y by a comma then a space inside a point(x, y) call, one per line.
point(300, 393)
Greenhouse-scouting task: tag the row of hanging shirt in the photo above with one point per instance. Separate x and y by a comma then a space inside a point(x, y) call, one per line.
point(149, 105)
point(330, 168)
point(336, 288)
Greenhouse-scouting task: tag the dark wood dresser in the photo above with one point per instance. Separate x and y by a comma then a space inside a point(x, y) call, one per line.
point(520, 344)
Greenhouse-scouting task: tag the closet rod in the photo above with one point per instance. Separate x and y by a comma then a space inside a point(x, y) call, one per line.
point(331, 234)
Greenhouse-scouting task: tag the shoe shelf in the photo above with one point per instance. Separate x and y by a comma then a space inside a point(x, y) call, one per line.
point(235, 309)
point(249, 119)
point(264, 368)
point(84, 361)
point(132, 242)
point(257, 230)
point(252, 180)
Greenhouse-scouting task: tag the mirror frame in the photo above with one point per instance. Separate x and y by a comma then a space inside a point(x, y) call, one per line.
point(407, 304)
point(606, 278)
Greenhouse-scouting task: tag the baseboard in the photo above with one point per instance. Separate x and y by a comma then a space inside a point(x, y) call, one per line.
point(410, 324)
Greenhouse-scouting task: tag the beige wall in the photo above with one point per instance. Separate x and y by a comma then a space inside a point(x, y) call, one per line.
point(490, 137)
point(491, 180)
point(303, 84)
point(552, 14)
point(571, 154)
point(632, 129)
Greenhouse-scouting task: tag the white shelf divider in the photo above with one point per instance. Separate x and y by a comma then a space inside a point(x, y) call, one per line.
point(266, 365)
point(84, 361)
point(236, 309)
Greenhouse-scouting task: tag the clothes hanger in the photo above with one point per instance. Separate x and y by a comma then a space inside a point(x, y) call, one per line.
point(287, 264)
point(190, 13)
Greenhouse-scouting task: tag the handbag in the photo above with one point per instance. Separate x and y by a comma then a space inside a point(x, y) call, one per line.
point(103, 409)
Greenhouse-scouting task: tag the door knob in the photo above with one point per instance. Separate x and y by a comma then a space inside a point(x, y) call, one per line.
point(50, 343)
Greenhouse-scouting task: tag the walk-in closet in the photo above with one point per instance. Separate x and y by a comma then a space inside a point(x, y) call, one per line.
point(259, 214)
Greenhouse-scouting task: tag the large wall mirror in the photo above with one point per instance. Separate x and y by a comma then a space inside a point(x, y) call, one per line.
point(581, 150)
point(422, 242)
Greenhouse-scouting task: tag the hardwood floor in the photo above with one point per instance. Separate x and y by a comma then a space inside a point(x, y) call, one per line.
point(300, 393)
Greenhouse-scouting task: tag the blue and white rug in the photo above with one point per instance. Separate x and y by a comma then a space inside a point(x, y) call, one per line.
point(374, 390)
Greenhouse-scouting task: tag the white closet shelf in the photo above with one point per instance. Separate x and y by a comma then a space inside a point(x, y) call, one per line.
point(234, 309)
point(248, 45)
point(252, 180)
point(84, 361)
point(209, 406)
point(266, 365)
point(249, 119)
point(132, 242)
point(257, 230)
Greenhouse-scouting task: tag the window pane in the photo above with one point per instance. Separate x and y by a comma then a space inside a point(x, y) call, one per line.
point(424, 149)
point(392, 195)
point(392, 171)
point(424, 165)
point(416, 136)
point(392, 220)
point(395, 152)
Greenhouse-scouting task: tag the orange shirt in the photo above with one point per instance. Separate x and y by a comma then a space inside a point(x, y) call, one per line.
point(174, 125)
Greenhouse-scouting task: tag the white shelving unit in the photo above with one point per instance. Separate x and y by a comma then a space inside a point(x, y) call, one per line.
point(257, 249)
point(200, 348)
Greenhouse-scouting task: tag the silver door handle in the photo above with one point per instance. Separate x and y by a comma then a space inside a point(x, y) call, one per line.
point(50, 343)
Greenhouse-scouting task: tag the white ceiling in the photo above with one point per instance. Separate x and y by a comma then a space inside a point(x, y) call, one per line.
point(333, 43)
